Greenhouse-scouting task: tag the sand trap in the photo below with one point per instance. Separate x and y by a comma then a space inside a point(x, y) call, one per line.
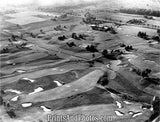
point(15, 98)
point(45, 109)
point(76, 90)
point(14, 91)
point(119, 113)
point(20, 71)
point(58, 83)
point(114, 96)
point(26, 105)
point(29, 45)
point(131, 112)
point(29, 79)
point(154, 42)
point(54, 69)
point(128, 103)
point(39, 89)
point(8, 62)
point(119, 105)
point(137, 114)
point(68, 86)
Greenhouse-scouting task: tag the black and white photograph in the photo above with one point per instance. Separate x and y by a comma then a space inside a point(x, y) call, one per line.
point(79, 60)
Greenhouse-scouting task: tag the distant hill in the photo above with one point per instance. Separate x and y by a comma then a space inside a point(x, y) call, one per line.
point(141, 4)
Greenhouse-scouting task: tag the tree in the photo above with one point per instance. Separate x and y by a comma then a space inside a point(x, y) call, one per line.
point(158, 31)
point(104, 53)
point(128, 48)
point(81, 36)
point(32, 35)
point(156, 106)
point(71, 44)
point(1, 100)
point(74, 36)
point(157, 38)
point(5, 50)
point(11, 113)
point(2, 91)
point(41, 30)
point(91, 48)
point(62, 38)
point(13, 37)
point(112, 30)
point(122, 45)
point(91, 63)
point(146, 72)
point(103, 80)
point(93, 55)
point(143, 35)
point(112, 55)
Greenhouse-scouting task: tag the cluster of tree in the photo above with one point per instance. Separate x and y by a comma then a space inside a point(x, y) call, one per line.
point(122, 45)
point(136, 21)
point(148, 17)
point(14, 37)
point(128, 48)
point(1, 100)
point(144, 73)
point(78, 37)
point(58, 28)
point(75, 36)
point(89, 18)
point(10, 112)
point(33, 35)
point(154, 81)
point(113, 91)
point(91, 48)
point(148, 12)
point(104, 29)
point(158, 31)
point(112, 30)
point(41, 30)
point(112, 55)
point(156, 38)
point(129, 97)
point(96, 27)
point(91, 63)
point(103, 80)
point(82, 36)
point(143, 35)
point(71, 44)
point(13, 48)
point(156, 111)
point(4, 50)
point(62, 38)
point(146, 106)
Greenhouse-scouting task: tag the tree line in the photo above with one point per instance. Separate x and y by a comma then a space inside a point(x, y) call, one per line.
point(148, 12)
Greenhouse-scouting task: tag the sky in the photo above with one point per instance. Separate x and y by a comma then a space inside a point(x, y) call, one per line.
point(6, 3)
point(125, 3)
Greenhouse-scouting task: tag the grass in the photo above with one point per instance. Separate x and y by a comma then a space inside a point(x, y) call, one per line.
point(91, 97)
point(82, 84)
point(46, 82)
